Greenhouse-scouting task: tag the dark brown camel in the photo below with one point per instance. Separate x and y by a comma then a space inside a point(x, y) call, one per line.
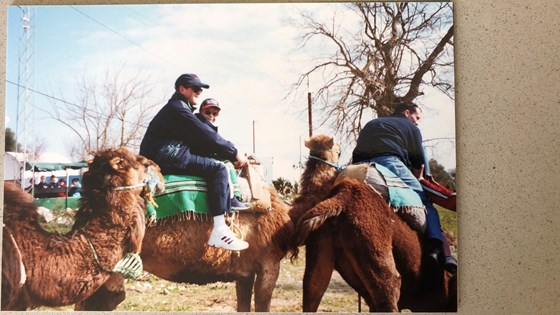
point(177, 251)
point(355, 232)
point(65, 269)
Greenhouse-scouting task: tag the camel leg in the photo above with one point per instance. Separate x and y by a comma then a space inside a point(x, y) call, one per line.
point(382, 280)
point(18, 302)
point(106, 298)
point(349, 274)
point(264, 286)
point(319, 265)
point(244, 290)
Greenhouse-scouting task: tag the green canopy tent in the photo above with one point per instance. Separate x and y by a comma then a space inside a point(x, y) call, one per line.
point(46, 199)
point(46, 167)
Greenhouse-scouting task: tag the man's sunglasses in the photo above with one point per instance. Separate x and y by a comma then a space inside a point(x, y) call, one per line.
point(196, 89)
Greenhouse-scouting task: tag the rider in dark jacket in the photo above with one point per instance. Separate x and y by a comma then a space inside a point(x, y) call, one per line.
point(396, 143)
point(175, 132)
point(173, 140)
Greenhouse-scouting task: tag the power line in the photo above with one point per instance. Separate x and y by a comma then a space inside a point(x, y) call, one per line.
point(120, 35)
point(69, 103)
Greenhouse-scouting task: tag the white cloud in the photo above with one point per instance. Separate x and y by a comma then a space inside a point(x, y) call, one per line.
point(53, 157)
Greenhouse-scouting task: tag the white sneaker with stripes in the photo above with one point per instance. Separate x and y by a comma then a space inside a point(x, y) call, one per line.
point(226, 239)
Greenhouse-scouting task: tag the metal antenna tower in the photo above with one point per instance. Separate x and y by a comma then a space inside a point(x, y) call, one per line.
point(25, 106)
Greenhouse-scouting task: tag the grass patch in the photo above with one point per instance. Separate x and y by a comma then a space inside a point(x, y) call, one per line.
point(448, 220)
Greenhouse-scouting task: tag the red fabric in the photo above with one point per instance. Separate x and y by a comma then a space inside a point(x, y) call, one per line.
point(439, 194)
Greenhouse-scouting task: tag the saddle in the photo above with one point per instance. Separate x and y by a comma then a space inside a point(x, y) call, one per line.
point(185, 196)
point(257, 194)
point(403, 200)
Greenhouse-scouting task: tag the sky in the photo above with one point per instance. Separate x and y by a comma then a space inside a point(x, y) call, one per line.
point(247, 53)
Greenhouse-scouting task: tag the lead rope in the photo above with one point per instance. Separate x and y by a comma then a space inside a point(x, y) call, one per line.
point(130, 266)
point(95, 255)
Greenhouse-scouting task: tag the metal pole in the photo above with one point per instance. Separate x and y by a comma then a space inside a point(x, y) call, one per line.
point(359, 303)
point(309, 114)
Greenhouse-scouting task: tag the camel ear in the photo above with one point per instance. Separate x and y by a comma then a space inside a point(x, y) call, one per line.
point(115, 163)
point(330, 143)
point(89, 163)
point(307, 143)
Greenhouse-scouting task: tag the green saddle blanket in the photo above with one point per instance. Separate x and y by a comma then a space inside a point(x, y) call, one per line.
point(183, 193)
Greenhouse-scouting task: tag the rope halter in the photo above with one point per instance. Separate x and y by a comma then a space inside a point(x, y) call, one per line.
point(130, 266)
point(150, 184)
point(336, 166)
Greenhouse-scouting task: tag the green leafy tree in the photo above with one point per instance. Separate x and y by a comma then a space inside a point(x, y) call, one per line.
point(11, 144)
point(33, 150)
point(441, 175)
point(285, 187)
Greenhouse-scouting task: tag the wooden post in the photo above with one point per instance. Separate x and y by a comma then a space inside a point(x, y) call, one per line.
point(253, 138)
point(309, 114)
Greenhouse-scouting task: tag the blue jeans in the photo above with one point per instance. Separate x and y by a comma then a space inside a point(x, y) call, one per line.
point(433, 225)
point(216, 176)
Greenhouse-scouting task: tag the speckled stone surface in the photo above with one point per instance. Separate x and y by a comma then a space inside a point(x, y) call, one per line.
point(508, 151)
point(508, 145)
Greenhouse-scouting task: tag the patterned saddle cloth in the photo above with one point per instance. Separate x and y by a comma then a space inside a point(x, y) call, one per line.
point(185, 197)
point(404, 201)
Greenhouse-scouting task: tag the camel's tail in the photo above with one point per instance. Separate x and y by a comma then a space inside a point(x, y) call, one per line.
point(316, 217)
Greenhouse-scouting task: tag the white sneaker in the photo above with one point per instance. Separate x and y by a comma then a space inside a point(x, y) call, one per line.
point(226, 239)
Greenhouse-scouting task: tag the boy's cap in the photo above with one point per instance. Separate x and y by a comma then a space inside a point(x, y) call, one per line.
point(210, 102)
point(189, 79)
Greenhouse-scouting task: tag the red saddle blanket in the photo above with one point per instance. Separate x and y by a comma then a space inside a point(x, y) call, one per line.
point(439, 194)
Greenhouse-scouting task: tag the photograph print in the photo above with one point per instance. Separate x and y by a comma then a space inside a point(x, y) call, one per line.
point(221, 157)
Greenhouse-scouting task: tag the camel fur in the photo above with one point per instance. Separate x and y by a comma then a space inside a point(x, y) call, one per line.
point(177, 251)
point(317, 177)
point(62, 269)
point(354, 230)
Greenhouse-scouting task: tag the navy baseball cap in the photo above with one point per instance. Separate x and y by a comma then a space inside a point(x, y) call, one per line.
point(189, 79)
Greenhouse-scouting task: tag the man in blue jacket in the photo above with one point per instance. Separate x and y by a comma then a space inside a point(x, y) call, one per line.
point(176, 140)
point(396, 143)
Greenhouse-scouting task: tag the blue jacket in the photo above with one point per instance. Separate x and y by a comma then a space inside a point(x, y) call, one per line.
point(393, 135)
point(175, 133)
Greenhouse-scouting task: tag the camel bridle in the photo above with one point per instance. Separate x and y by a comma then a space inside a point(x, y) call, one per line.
point(130, 266)
point(336, 166)
point(149, 186)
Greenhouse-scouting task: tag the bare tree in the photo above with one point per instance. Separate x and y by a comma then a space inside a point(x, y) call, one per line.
point(112, 113)
point(389, 54)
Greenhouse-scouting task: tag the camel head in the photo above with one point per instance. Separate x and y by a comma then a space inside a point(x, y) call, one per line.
point(114, 168)
point(323, 147)
point(117, 188)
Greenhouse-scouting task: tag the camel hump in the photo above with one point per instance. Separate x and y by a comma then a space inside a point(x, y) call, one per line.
point(365, 172)
point(404, 201)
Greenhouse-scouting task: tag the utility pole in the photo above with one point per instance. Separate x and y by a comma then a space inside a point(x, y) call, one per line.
point(309, 114)
point(253, 138)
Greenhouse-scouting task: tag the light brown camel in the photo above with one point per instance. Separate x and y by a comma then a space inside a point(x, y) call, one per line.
point(110, 222)
point(355, 232)
point(177, 251)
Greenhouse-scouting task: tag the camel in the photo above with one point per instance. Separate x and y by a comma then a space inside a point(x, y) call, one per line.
point(44, 269)
point(177, 251)
point(350, 228)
